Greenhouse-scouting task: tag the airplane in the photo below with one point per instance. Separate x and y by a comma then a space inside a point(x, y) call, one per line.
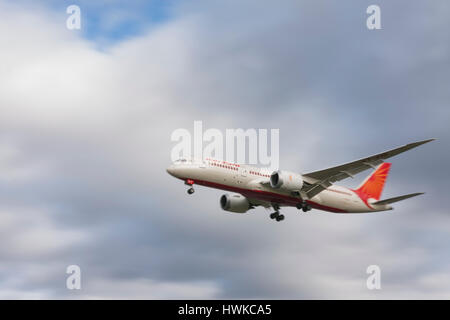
point(253, 186)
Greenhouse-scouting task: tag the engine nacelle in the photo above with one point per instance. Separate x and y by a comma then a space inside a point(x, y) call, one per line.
point(286, 180)
point(234, 203)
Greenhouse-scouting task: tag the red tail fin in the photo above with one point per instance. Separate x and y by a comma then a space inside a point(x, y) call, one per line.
point(372, 187)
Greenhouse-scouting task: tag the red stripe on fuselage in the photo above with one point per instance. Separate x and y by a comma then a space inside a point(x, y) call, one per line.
point(265, 195)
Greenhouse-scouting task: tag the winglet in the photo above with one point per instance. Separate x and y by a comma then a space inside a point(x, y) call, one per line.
point(418, 143)
point(408, 146)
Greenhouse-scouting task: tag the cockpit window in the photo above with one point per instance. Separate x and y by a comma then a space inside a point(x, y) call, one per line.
point(182, 160)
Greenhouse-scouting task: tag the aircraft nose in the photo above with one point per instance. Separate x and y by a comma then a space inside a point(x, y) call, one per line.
point(171, 170)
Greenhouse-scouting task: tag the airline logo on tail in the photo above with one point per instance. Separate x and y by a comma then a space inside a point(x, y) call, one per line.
point(372, 187)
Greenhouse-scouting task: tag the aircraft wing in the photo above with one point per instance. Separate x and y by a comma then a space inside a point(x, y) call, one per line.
point(318, 181)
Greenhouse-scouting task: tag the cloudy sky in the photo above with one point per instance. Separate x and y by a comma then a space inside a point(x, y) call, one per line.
point(85, 123)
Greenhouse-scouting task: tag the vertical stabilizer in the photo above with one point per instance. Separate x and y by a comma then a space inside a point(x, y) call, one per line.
point(372, 187)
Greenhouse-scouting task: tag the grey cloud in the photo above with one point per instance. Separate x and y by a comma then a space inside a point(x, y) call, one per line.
point(90, 151)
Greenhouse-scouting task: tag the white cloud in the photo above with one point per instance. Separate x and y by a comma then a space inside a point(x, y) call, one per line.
point(31, 233)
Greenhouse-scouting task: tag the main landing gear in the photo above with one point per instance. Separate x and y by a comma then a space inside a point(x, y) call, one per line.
point(190, 190)
point(276, 215)
point(304, 206)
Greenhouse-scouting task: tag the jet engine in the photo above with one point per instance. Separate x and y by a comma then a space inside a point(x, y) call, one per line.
point(286, 180)
point(234, 203)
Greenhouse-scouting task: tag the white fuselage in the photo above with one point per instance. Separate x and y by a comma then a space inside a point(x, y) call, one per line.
point(251, 182)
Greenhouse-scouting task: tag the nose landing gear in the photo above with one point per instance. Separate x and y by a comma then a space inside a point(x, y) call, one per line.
point(190, 183)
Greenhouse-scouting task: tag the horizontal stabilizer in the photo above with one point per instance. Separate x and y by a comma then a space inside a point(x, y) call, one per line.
point(400, 198)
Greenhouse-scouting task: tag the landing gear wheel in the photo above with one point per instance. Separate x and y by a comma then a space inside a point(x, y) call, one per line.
point(304, 206)
point(280, 217)
point(274, 215)
point(190, 191)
